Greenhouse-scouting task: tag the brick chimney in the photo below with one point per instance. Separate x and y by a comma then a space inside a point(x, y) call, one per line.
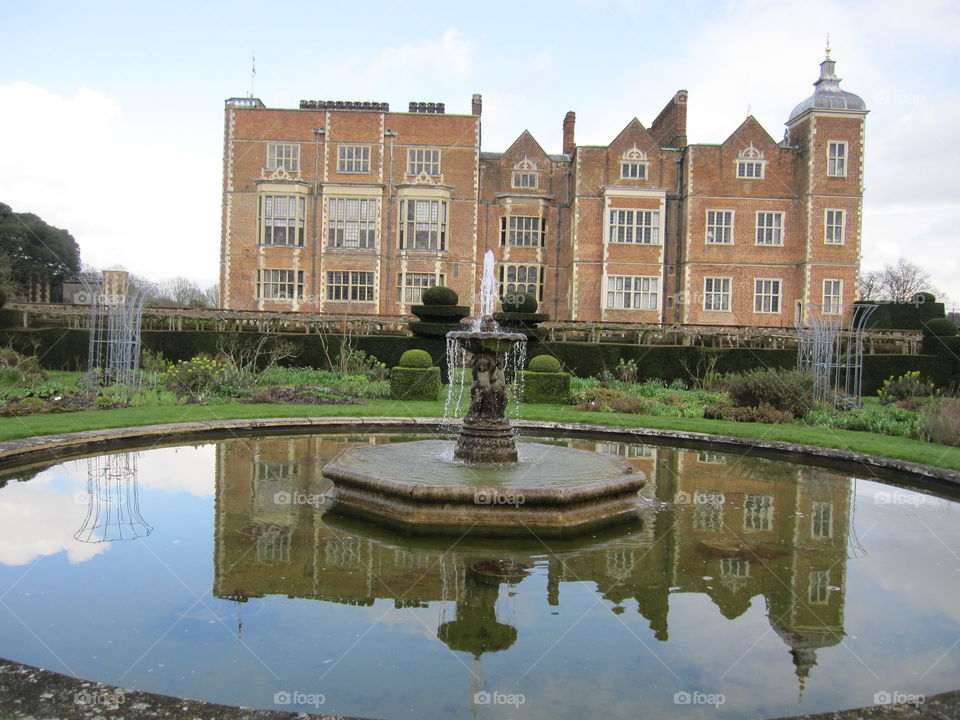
point(569, 120)
point(477, 104)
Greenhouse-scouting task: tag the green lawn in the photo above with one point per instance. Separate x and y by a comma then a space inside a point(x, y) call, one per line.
point(882, 445)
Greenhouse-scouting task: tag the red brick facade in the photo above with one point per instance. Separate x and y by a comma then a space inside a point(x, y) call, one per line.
point(350, 209)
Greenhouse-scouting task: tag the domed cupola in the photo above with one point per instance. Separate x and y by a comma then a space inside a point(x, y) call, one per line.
point(828, 95)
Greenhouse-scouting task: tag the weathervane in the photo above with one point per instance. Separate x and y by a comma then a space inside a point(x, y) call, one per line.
point(253, 70)
point(828, 46)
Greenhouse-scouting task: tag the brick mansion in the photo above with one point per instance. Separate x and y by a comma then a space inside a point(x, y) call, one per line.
point(349, 208)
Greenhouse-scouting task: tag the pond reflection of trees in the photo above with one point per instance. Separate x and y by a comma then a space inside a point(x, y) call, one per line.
point(729, 527)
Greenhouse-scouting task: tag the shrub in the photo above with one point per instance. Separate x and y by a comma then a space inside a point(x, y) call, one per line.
point(939, 327)
point(544, 364)
point(908, 385)
point(627, 371)
point(196, 378)
point(607, 400)
point(941, 423)
point(439, 295)
point(416, 359)
point(546, 387)
point(519, 302)
point(787, 390)
point(151, 361)
point(415, 383)
point(17, 368)
point(764, 413)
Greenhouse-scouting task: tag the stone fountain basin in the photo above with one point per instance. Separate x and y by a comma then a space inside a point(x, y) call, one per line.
point(551, 491)
point(486, 340)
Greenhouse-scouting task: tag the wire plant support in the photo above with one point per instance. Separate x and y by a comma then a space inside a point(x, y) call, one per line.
point(113, 501)
point(831, 349)
point(116, 311)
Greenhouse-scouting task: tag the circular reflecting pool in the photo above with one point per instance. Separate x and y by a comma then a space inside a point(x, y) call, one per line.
point(747, 587)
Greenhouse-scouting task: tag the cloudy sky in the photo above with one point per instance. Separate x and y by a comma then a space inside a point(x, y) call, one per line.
point(111, 113)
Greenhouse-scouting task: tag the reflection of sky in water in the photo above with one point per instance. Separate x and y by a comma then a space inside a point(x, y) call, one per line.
point(143, 613)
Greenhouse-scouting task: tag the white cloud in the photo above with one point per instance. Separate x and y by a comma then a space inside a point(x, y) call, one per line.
point(39, 520)
point(127, 200)
point(451, 55)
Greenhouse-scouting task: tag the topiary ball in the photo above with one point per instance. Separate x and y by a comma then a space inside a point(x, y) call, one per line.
point(939, 327)
point(439, 295)
point(519, 302)
point(416, 359)
point(545, 364)
point(923, 297)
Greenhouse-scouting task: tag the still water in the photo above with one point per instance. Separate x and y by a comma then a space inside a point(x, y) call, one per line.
point(750, 587)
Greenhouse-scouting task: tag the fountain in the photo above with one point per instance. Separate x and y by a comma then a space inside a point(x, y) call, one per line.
point(485, 483)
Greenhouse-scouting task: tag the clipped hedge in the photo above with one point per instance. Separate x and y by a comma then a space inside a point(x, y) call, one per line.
point(439, 295)
point(939, 327)
point(445, 313)
point(544, 364)
point(412, 383)
point(522, 302)
point(904, 316)
point(416, 359)
point(546, 387)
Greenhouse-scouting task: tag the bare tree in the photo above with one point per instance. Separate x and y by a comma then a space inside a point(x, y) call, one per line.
point(212, 296)
point(902, 281)
point(869, 285)
point(895, 283)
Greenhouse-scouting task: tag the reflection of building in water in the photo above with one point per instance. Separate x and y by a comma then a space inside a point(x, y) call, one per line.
point(727, 527)
point(113, 501)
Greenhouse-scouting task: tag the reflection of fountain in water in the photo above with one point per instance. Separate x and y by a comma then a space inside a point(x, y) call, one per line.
point(113, 504)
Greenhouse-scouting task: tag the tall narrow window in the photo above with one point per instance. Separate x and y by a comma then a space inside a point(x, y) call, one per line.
point(423, 225)
point(281, 219)
point(837, 159)
point(766, 296)
point(351, 223)
point(720, 226)
point(758, 512)
point(819, 588)
point(832, 297)
point(821, 525)
point(769, 228)
point(833, 227)
point(635, 226)
point(283, 157)
point(716, 294)
point(522, 231)
point(521, 278)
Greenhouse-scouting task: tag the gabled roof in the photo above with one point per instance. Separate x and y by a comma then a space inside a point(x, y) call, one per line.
point(631, 128)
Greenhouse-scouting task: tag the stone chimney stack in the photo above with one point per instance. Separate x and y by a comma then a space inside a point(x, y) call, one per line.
point(477, 104)
point(569, 145)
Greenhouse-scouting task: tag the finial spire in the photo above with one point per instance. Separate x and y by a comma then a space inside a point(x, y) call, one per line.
point(828, 46)
point(253, 71)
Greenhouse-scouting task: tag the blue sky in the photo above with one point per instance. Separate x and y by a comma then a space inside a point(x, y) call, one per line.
point(112, 112)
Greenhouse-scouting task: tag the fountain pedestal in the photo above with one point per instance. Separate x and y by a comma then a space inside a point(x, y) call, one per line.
point(486, 436)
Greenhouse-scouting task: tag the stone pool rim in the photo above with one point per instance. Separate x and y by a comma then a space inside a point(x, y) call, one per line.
point(56, 447)
point(60, 447)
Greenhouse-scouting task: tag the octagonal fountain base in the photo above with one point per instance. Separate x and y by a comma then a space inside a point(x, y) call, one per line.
point(551, 491)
